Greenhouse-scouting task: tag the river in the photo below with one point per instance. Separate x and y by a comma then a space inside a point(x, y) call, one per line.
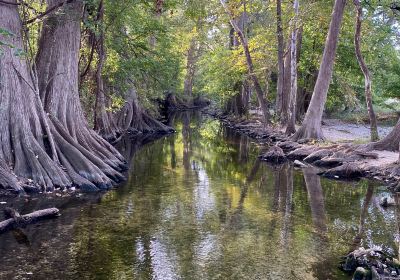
point(199, 205)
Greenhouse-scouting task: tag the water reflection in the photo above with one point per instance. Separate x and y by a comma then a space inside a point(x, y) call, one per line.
point(200, 205)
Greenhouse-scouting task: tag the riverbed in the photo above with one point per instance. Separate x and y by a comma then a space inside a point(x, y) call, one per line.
point(199, 205)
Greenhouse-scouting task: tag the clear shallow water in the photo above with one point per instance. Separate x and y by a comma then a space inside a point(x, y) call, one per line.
point(198, 205)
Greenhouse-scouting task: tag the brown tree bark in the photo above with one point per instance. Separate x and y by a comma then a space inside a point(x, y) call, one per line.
point(89, 159)
point(281, 63)
point(291, 126)
point(250, 66)
point(29, 154)
point(311, 127)
point(364, 69)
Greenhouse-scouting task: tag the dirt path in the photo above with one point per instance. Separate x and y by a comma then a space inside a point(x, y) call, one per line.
point(339, 131)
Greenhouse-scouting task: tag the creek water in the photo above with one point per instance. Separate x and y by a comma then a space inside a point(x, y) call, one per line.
point(199, 205)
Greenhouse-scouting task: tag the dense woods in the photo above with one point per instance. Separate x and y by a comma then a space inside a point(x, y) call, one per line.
point(76, 76)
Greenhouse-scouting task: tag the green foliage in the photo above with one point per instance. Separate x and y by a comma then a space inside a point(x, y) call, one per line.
point(131, 25)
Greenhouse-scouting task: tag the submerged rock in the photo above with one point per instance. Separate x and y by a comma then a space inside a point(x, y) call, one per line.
point(387, 201)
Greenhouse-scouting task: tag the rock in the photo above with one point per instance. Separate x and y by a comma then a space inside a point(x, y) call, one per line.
point(387, 201)
point(274, 155)
point(361, 274)
point(345, 171)
point(298, 163)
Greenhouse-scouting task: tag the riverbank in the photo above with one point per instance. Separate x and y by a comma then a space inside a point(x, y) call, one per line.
point(342, 156)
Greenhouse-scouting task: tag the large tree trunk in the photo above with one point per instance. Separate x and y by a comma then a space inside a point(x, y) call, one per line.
point(281, 65)
point(102, 122)
point(364, 69)
point(291, 126)
point(286, 88)
point(190, 68)
point(250, 66)
point(29, 153)
point(132, 118)
point(311, 127)
point(239, 103)
point(88, 158)
point(390, 142)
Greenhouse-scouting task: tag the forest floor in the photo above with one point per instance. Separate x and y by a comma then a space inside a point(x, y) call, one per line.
point(338, 157)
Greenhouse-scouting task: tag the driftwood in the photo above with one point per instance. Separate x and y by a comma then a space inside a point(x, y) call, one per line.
point(15, 220)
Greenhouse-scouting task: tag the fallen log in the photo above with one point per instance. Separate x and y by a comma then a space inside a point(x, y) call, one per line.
point(15, 220)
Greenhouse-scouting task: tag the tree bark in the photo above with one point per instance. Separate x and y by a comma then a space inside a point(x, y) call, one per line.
point(239, 103)
point(390, 142)
point(28, 155)
point(132, 118)
point(89, 159)
point(286, 87)
point(311, 127)
point(364, 69)
point(291, 126)
point(102, 122)
point(281, 65)
point(250, 66)
point(190, 68)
